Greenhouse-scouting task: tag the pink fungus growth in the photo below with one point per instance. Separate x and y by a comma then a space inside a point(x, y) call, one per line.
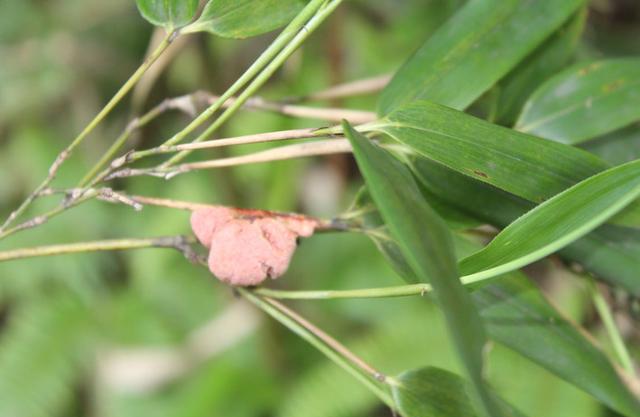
point(248, 246)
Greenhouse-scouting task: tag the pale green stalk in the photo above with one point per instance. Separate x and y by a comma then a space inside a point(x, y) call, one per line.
point(294, 325)
point(383, 292)
point(609, 323)
point(260, 79)
point(263, 60)
point(93, 246)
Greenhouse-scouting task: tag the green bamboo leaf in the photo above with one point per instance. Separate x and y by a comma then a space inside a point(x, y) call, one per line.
point(475, 48)
point(245, 18)
point(585, 101)
point(517, 314)
point(168, 13)
point(610, 252)
point(426, 243)
point(527, 166)
point(434, 392)
point(556, 222)
point(547, 60)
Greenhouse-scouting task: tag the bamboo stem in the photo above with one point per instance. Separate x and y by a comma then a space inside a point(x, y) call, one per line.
point(180, 243)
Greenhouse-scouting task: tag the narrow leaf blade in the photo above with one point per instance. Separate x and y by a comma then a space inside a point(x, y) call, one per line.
point(517, 315)
point(610, 252)
point(556, 223)
point(527, 166)
point(474, 49)
point(547, 60)
point(426, 243)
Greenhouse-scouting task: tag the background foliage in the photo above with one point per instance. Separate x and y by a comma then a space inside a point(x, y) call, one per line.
point(71, 327)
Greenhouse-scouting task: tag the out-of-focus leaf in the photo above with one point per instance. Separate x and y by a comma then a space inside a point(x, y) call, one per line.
point(556, 222)
point(617, 147)
point(527, 166)
point(168, 13)
point(549, 58)
point(434, 392)
point(245, 18)
point(473, 50)
point(585, 101)
point(426, 243)
point(41, 354)
point(610, 252)
point(517, 315)
point(213, 386)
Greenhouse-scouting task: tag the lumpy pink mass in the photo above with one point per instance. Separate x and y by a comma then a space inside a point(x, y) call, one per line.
point(246, 246)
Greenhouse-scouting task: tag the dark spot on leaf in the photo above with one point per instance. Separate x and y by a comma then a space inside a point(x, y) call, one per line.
point(615, 85)
point(480, 173)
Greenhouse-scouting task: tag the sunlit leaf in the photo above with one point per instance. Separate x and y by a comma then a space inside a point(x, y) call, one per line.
point(426, 243)
point(168, 13)
point(245, 18)
point(585, 101)
point(480, 44)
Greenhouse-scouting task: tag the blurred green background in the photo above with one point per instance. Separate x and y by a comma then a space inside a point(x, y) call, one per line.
point(145, 333)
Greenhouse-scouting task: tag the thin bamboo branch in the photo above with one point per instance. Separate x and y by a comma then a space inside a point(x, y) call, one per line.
point(43, 218)
point(311, 335)
point(309, 27)
point(183, 103)
point(217, 143)
point(271, 53)
point(62, 156)
point(383, 292)
point(330, 341)
point(180, 243)
point(323, 147)
point(330, 114)
point(350, 89)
